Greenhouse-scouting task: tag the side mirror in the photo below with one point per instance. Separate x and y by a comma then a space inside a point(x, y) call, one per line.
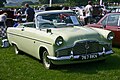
point(103, 26)
point(49, 31)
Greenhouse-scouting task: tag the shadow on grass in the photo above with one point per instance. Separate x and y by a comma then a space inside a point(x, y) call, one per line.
point(111, 63)
point(116, 46)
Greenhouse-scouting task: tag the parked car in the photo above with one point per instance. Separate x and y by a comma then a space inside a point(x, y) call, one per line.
point(111, 22)
point(56, 41)
point(114, 9)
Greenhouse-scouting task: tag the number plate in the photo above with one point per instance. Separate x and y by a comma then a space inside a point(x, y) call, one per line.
point(88, 56)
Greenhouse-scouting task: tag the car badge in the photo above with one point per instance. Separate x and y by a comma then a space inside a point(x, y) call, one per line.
point(87, 46)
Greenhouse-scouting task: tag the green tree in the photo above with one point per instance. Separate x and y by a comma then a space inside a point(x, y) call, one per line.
point(74, 2)
point(43, 1)
point(58, 1)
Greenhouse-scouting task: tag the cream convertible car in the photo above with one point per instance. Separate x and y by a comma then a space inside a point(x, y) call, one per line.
point(56, 37)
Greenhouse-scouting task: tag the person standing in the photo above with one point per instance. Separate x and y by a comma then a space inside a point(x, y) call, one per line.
point(88, 12)
point(29, 12)
point(3, 27)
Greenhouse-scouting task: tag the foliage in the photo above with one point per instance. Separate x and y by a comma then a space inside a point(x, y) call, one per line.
point(111, 0)
point(74, 2)
point(1, 3)
point(53, 1)
point(29, 2)
point(43, 1)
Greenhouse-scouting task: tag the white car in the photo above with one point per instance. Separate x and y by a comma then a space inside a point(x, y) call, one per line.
point(57, 38)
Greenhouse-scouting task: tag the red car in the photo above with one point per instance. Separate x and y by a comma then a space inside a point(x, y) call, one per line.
point(111, 22)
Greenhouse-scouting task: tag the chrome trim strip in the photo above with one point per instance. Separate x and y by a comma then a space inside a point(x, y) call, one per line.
point(28, 38)
point(77, 56)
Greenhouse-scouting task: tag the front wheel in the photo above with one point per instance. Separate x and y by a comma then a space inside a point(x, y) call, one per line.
point(46, 62)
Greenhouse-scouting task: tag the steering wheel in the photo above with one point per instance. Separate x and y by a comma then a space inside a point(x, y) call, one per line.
point(46, 25)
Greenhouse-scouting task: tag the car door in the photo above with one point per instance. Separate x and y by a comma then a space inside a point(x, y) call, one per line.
point(33, 39)
point(112, 23)
point(29, 40)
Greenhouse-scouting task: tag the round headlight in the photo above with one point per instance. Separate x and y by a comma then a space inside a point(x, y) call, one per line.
point(59, 41)
point(110, 36)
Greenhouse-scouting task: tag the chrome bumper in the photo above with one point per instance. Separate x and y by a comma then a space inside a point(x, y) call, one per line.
point(71, 57)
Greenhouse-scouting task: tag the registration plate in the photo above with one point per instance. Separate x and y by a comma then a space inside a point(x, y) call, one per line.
point(88, 56)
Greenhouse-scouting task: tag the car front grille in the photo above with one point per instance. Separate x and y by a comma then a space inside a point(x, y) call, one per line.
point(84, 47)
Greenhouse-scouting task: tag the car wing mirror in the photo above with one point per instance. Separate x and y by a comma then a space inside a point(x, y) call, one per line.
point(49, 31)
point(103, 26)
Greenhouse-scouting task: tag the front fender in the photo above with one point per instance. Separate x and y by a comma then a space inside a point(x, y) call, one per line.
point(103, 32)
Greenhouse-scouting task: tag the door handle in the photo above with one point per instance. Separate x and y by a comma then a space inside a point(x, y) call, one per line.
point(22, 29)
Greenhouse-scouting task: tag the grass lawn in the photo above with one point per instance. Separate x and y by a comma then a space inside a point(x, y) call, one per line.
point(24, 67)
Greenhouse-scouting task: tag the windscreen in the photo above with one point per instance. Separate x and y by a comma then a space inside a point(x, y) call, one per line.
point(59, 19)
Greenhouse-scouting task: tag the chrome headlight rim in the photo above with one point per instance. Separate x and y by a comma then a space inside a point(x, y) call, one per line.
point(110, 36)
point(59, 41)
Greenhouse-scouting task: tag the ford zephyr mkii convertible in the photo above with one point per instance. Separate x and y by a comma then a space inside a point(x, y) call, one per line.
point(56, 37)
